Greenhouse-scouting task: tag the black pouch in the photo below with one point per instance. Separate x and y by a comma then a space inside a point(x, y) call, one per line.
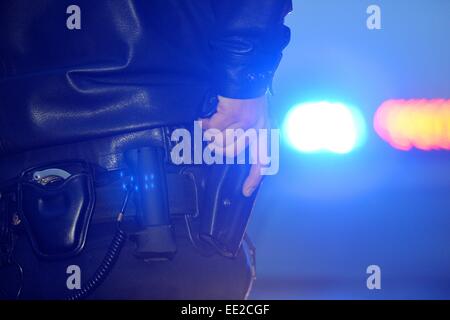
point(56, 202)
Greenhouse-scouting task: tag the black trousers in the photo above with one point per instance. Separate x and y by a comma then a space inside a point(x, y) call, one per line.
point(190, 275)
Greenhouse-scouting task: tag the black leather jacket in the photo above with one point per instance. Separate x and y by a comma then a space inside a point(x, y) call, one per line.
point(134, 64)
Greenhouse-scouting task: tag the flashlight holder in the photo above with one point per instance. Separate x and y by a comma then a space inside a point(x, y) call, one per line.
point(155, 239)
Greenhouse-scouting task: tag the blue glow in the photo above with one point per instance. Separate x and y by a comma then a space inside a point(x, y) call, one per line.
point(324, 127)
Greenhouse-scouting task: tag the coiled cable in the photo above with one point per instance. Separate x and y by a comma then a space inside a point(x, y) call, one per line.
point(110, 258)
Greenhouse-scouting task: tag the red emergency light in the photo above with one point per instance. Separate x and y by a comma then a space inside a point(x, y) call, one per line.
point(421, 124)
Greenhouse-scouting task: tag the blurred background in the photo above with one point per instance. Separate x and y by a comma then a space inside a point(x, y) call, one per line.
point(326, 216)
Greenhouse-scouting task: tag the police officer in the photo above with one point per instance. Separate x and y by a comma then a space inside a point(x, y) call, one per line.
point(74, 73)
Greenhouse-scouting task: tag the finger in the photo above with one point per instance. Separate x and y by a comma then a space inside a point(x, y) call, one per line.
point(233, 146)
point(218, 121)
point(253, 180)
point(229, 135)
point(240, 140)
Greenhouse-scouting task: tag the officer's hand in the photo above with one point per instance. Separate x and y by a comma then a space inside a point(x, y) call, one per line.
point(240, 114)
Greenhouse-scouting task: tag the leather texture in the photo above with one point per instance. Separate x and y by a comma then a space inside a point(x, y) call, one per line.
point(57, 215)
point(132, 66)
point(225, 211)
point(107, 153)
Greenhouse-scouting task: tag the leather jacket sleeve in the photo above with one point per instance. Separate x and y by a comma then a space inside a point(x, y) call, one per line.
point(247, 45)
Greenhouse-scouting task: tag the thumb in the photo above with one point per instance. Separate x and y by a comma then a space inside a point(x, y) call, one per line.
point(253, 180)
